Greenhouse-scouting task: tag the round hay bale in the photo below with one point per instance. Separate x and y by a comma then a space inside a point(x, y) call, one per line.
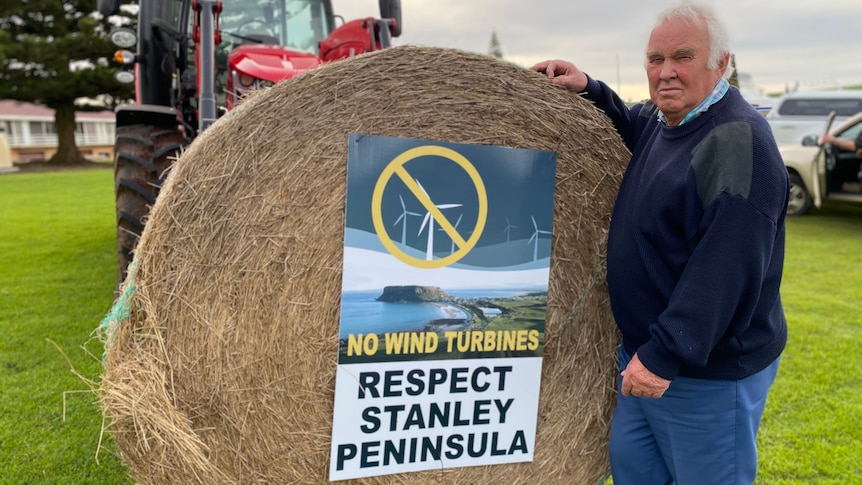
point(224, 369)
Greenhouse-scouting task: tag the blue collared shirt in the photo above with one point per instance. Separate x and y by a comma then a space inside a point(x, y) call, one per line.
point(717, 93)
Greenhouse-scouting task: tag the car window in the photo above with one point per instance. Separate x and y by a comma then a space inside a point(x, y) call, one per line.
point(820, 107)
point(851, 133)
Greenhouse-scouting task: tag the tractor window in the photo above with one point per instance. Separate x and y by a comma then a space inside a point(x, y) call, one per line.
point(299, 24)
point(306, 24)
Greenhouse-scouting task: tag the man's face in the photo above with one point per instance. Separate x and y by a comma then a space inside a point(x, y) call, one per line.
point(679, 80)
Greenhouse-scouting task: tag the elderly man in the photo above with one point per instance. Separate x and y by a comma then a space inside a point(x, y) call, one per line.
point(694, 260)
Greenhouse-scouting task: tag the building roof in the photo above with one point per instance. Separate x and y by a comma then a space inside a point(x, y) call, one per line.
point(17, 110)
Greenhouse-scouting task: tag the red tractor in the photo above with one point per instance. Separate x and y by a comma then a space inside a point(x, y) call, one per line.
point(194, 61)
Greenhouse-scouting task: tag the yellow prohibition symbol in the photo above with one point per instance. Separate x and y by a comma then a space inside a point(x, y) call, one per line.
point(396, 167)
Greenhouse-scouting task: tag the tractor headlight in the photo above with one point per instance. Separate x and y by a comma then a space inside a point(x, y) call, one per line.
point(241, 84)
point(246, 81)
point(123, 38)
point(124, 77)
point(125, 57)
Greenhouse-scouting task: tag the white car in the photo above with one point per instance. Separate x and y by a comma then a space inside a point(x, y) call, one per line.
point(755, 96)
point(802, 113)
point(819, 173)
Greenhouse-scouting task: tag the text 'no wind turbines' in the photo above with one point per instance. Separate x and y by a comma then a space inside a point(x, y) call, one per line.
point(429, 221)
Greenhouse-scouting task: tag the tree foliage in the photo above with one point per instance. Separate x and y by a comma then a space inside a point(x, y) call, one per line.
point(494, 49)
point(53, 52)
point(733, 79)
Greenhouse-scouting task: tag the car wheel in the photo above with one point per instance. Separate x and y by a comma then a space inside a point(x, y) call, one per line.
point(800, 200)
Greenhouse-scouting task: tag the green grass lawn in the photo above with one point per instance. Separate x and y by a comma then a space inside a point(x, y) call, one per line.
point(57, 272)
point(812, 428)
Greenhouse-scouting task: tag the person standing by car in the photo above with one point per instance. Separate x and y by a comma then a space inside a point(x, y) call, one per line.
point(694, 261)
point(846, 145)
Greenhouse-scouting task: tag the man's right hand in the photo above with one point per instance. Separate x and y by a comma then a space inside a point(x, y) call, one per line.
point(563, 73)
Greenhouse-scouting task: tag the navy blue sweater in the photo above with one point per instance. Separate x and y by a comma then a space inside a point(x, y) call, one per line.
point(696, 242)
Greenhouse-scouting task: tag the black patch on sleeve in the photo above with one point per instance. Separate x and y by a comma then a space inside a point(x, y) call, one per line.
point(723, 162)
point(648, 110)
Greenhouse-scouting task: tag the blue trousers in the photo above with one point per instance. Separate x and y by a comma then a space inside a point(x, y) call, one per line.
point(700, 432)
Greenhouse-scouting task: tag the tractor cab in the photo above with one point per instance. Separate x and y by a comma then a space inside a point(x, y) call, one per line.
point(297, 24)
point(261, 42)
point(202, 56)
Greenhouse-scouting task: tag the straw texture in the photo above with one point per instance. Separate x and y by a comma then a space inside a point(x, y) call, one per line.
point(224, 370)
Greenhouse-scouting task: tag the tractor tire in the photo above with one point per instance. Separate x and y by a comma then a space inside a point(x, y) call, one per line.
point(143, 157)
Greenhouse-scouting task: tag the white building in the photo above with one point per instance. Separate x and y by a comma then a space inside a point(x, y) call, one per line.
point(32, 136)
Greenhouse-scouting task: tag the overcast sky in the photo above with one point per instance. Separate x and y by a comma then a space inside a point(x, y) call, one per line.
point(778, 42)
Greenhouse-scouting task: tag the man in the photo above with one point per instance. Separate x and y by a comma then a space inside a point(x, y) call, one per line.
point(847, 145)
point(850, 146)
point(694, 261)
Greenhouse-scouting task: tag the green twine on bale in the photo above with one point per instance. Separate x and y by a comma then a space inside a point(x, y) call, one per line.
point(122, 307)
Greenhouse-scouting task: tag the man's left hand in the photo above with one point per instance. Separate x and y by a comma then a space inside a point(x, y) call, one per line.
point(640, 382)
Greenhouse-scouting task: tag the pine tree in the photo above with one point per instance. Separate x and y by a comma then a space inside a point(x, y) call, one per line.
point(494, 49)
point(733, 79)
point(53, 52)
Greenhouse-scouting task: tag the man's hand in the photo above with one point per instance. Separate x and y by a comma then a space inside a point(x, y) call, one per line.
point(563, 73)
point(827, 138)
point(847, 145)
point(640, 382)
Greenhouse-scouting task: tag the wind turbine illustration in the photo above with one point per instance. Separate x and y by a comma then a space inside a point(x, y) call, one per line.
point(452, 249)
point(535, 237)
point(429, 248)
point(403, 217)
point(508, 229)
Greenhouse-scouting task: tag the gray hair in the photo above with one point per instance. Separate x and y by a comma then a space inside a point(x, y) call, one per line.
point(699, 13)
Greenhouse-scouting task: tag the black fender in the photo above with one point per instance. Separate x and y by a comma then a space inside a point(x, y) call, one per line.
point(147, 114)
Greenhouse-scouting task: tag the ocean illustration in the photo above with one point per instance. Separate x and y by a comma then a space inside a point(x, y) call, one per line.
point(362, 312)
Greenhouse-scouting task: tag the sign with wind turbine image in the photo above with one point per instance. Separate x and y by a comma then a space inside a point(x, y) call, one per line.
point(447, 252)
